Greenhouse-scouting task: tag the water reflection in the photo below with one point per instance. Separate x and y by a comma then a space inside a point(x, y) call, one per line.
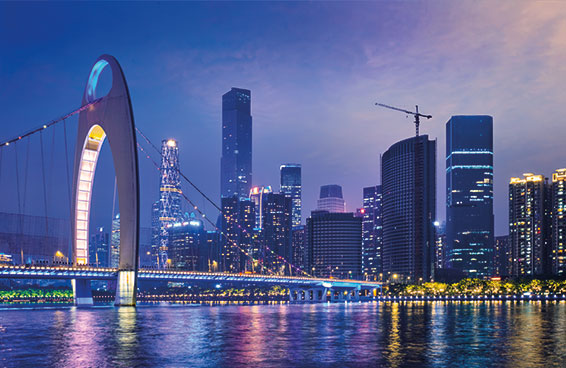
point(396, 334)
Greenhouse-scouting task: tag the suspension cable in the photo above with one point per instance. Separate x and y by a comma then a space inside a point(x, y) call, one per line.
point(44, 184)
point(69, 249)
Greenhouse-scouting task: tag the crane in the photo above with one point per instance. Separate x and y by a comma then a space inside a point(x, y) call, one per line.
point(417, 114)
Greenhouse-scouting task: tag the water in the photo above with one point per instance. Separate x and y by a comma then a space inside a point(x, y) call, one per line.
point(435, 334)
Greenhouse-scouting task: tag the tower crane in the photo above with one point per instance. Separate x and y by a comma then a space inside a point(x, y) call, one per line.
point(416, 114)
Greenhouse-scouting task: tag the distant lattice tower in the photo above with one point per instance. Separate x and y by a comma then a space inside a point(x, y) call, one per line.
point(170, 194)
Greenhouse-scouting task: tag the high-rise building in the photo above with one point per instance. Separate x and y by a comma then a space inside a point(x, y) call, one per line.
point(276, 232)
point(529, 225)
point(98, 248)
point(440, 249)
point(213, 250)
point(155, 230)
point(146, 258)
point(299, 245)
point(230, 254)
point(114, 256)
point(558, 237)
point(258, 196)
point(236, 161)
point(469, 194)
point(331, 199)
point(291, 187)
point(409, 209)
point(334, 245)
point(372, 233)
point(502, 265)
point(246, 222)
point(186, 243)
point(170, 195)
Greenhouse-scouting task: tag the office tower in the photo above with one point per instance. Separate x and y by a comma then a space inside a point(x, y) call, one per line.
point(276, 232)
point(146, 258)
point(186, 240)
point(258, 196)
point(246, 220)
point(170, 195)
point(230, 254)
point(440, 249)
point(98, 248)
point(213, 250)
point(299, 245)
point(469, 194)
point(409, 209)
point(558, 236)
point(334, 245)
point(114, 256)
point(372, 233)
point(502, 256)
point(291, 187)
point(236, 161)
point(331, 199)
point(528, 224)
point(155, 230)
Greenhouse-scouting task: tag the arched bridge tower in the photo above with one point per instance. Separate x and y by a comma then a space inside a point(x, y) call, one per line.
point(111, 118)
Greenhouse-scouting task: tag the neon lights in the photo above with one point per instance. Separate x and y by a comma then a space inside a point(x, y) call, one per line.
point(93, 79)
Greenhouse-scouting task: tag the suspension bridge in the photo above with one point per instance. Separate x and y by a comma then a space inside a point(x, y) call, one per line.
point(111, 118)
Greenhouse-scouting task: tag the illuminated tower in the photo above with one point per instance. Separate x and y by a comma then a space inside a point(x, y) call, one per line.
point(372, 233)
point(559, 222)
point(331, 199)
point(114, 257)
point(291, 187)
point(170, 195)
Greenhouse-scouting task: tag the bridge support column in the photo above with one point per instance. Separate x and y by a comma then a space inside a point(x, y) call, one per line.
point(126, 289)
point(324, 296)
point(82, 292)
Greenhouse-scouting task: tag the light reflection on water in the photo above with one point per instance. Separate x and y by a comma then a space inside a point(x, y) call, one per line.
point(434, 334)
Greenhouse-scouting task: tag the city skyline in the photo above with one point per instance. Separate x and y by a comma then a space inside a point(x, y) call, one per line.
point(177, 88)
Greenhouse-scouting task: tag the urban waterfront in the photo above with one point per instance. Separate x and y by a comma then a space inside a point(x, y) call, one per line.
point(424, 334)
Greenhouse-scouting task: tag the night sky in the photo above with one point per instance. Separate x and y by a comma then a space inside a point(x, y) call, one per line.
point(315, 71)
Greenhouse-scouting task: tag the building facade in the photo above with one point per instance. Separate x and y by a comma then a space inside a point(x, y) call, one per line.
point(292, 188)
point(409, 209)
point(187, 246)
point(334, 245)
point(469, 195)
point(529, 225)
point(372, 233)
point(558, 236)
point(331, 199)
point(502, 259)
point(114, 253)
point(236, 161)
point(258, 195)
point(170, 196)
point(299, 245)
point(98, 248)
point(276, 232)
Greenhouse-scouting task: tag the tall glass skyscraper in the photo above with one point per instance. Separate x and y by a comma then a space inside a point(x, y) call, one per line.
point(372, 233)
point(408, 184)
point(469, 195)
point(170, 195)
point(291, 187)
point(236, 161)
point(331, 199)
point(559, 222)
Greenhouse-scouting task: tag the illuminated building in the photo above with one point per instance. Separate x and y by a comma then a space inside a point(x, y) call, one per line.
point(98, 248)
point(114, 256)
point(502, 260)
point(528, 225)
point(170, 195)
point(331, 199)
point(291, 187)
point(238, 222)
point(236, 161)
point(246, 220)
point(469, 195)
point(409, 208)
point(187, 242)
point(213, 250)
point(559, 222)
point(276, 232)
point(334, 245)
point(258, 196)
point(372, 233)
point(146, 248)
point(440, 247)
point(298, 243)
point(155, 230)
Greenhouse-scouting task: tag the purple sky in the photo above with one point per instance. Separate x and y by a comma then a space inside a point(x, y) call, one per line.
point(315, 70)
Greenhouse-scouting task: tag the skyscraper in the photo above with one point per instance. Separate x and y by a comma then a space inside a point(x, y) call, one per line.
point(114, 256)
point(170, 195)
point(299, 246)
point(469, 194)
point(230, 254)
point(331, 199)
point(291, 187)
point(559, 222)
point(155, 230)
point(409, 208)
point(528, 224)
point(236, 161)
point(186, 241)
point(276, 232)
point(98, 248)
point(258, 195)
point(372, 233)
point(334, 245)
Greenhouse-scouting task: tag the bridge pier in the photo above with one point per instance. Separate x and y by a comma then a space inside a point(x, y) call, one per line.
point(126, 289)
point(82, 292)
